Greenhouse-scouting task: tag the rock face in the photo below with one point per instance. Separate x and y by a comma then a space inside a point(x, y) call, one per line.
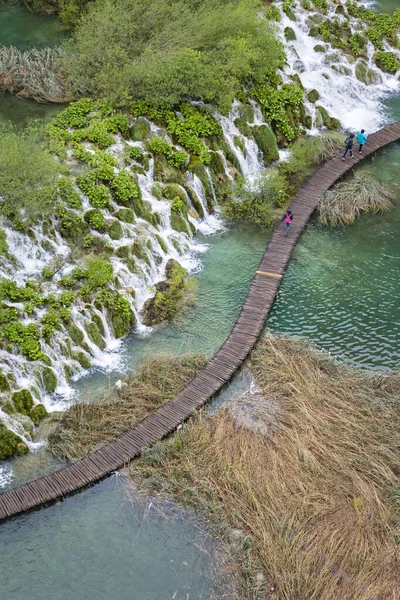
point(169, 294)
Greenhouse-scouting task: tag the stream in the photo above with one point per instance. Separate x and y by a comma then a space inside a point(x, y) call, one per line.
point(340, 291)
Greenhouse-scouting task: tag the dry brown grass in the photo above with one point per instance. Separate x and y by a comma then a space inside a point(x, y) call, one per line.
point(85, 426)
point(318, 499)
point(348, 200)
point(33, 74)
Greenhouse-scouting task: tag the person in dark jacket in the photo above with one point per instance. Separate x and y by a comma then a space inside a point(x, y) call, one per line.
point(288, 218)
point(349, 146)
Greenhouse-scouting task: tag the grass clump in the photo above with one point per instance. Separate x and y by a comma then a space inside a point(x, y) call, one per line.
point(315, 495)
point(85, 426)
point(348, 200)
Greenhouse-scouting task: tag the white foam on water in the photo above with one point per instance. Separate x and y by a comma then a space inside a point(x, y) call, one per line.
point(6, 475)
point(354, 103)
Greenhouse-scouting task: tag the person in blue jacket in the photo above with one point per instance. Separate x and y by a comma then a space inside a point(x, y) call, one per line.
point(361, 139)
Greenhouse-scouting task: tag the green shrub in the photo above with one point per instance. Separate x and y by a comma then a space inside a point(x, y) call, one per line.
point(98, 195)
point(98, 272)
point(74, 115)
point(95, 219)
point(281, 107)
point(68, 193)
point(176, 158)
point(133, 153)
point(387, 61)
point(96, 132)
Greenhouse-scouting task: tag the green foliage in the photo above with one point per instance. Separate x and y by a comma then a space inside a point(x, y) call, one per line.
point(133, 153)
point(75, 115)
point(98, 272)
point(281, 107)
point(126, 215)
point(3, 243)
point(358, 43)
point(49, 379)
point(175, 158)
point(163, 52)
point(4, 385)
point(26, 337)
point(96, 132)
point(301, 160)
point(8, 314)
point(387, 61)
point(98, 158)
point(257, 205)
point(266, 141)
point(114, 229)
point(127, 191)
point(98, 195)
point(27, 176)
point(178, 205)
point(95, 219)
point(68, 193)
point(122, 317)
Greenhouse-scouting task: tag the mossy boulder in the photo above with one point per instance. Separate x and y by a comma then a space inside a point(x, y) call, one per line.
point(297, 81)
point(11, 444)
point(267, 143)
point(165, 172)
point(82, 359)
point(123, 252)
point(173, 190)
point(169, 295)
point(4, 385)
point(8, 407)
point(313, 96)
point(49, 379)
point(38, 413)
point(230, 156)
point(239, 143)
point(329, 122)
point(179, 223)
point(95, 335)
point(217, 163)
point(139, 250)
point(365, 74)
point(156, 190)
point(126, 215)
point(75, 334)
point(289, 34)
point(23, 401)
point(114, 229)
point(289, 13)
point(162, 243)
point(243, 127)
point(196, 202)
point(246, 112)
point(320, 48)
point(140, 130)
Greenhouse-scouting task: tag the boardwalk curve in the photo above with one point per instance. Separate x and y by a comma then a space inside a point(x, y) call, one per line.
point(218, 371)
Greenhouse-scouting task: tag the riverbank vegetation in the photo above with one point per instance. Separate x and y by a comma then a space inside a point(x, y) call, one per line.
point(315, 495)
point(85, 426)
point(349, 199)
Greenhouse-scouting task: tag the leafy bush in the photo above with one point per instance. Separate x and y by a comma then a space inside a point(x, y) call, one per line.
point(95, 219)
point(98, 272)
point(127, 191)
point(28, 174)
point(98, 195)
point(281, 107)
point(133, 153)
point(75, 115)
point(203, 49)
point(96, 132)
point(68, 193)
point(387, 61)
point(175, 158)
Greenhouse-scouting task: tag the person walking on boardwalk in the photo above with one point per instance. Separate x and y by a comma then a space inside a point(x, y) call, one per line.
point(349, 146)
point(361, 139)
point(288, 218)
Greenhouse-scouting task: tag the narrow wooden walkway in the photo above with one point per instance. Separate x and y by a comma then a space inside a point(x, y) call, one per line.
point(219, 370)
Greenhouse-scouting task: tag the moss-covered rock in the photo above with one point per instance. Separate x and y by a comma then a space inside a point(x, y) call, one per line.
point(173, 190)
point(96, 319)
point(329, 122)
point(23, 401)
point(179, 223)
point(195, 201)
point(125, 214)
point(75, 334)
point(313, 96)
point(239, 143)
point(156, 190)
point(8, 407)
point(297, 81)
point(11, 444)
point(114, 228)
point(289, 34)
point(123, 252)
point(138, 249)
point(162, 243)
point(169, 295)
point(266, 141)
point(320, 48)
point(140, 130)
point(4, 385)
point(95, 335)
point(246, 112)
point(38, 413)
point(243, 127)
point(82, 359)
point(49, 379)
point(217, 163)
point(365, 74)
point(165, 172)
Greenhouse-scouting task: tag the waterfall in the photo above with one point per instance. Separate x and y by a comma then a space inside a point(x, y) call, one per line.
point(210, 223)
point(354, 103)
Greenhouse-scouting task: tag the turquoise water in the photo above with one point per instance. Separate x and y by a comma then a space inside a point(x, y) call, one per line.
point(98, 545)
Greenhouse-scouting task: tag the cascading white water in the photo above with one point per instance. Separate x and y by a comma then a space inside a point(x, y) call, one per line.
point(354, 103)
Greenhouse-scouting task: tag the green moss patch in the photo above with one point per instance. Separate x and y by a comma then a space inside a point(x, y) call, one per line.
point(23, 401)
point(266, 141)
point(38, 413)
point(11, 444)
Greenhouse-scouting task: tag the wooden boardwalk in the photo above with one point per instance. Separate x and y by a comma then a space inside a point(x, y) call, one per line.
point(218, 371)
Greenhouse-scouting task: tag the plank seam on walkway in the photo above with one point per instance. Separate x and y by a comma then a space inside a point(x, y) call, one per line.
point(220, 368)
